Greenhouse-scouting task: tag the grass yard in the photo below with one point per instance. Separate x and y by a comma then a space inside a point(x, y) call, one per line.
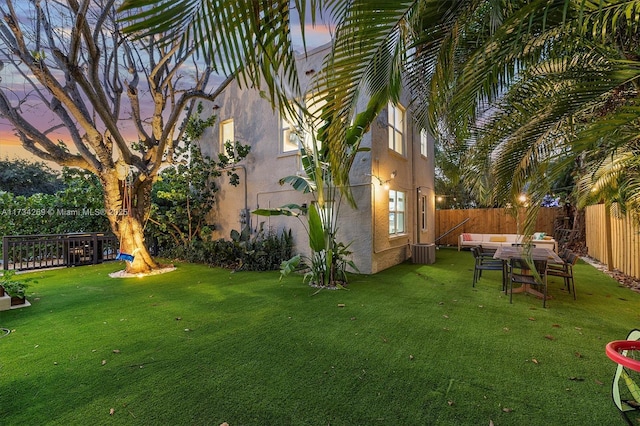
point(413, 345)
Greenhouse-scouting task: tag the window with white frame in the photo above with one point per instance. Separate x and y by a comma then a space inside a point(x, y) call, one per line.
point(396, 128)
point(424, 143)
point(292, 135)
point(397, 206)
point(423, 212)
point(226, 133)
point(288, 134)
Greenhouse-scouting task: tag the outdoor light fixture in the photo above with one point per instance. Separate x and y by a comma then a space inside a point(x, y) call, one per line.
point(440, 198)
point(384, 183)
point(522, 198)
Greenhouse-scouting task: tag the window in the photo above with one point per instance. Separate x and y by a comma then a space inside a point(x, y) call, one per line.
point(226, 134)
point(424, 143)
point(292, 136)
point(423, 212)
point(396, 128)
point(396, 212)
point(289, 136)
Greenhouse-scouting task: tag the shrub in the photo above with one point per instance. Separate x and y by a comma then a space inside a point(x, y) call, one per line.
point(263, 252)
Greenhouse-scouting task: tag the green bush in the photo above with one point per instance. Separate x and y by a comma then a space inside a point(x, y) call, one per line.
point(78, 207)
point(263, 252)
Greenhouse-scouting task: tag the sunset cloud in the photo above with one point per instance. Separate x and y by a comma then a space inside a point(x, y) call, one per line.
point(14, 83)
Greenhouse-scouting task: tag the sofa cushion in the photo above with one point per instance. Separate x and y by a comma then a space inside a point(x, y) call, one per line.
point(498, 239)
point(466, 237)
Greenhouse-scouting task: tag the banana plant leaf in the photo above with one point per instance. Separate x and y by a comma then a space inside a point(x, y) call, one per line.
point(317, 240)
point(286, 210)
point(299, 183)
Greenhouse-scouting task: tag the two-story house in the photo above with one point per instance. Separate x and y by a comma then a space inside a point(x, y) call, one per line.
point(393, 182)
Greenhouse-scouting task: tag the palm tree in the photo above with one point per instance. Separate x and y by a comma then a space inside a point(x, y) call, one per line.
point(571, 98)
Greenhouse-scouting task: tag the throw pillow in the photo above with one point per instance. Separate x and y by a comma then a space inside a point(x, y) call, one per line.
point(466, 237)
point(498, 239)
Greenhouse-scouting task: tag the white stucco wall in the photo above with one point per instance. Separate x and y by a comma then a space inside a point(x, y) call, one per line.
point(367, 227)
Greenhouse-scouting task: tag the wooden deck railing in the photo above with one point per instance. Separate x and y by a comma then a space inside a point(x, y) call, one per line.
point(28, 252)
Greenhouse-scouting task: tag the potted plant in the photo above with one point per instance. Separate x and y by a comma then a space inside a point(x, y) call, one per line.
point(14, 288)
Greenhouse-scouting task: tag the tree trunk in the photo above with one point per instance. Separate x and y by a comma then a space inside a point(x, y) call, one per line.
point(127, 221)
point(132, 242)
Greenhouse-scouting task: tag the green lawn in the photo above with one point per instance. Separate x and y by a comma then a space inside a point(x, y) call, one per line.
point(413, 345)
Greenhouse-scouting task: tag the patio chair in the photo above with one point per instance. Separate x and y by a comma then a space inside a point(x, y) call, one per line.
point(565, 271)
point(520, 273)
point(564, 254)
point(484, 261)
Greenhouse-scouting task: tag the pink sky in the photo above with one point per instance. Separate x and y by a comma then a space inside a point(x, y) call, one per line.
point(10, 146)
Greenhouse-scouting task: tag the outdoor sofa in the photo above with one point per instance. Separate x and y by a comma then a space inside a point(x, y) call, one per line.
point(494, 241)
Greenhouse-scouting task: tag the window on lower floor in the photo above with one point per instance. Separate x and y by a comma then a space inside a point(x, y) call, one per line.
point(227, 133)
point(397, 212)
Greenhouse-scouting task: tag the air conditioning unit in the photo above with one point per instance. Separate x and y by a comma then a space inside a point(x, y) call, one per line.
point(424, 254)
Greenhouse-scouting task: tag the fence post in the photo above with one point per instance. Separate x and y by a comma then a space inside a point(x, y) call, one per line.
point(94, 243)
point(5, 253)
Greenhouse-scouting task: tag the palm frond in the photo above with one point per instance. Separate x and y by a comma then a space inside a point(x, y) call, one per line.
point(604, 19)
point(534, 121)
point(367, 55)
point(243, 37)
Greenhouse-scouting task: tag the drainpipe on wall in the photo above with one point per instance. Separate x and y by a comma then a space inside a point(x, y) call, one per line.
point(258, 194)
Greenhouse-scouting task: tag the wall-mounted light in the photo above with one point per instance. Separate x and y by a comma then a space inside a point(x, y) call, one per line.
point(440, 198)
point(382, 182)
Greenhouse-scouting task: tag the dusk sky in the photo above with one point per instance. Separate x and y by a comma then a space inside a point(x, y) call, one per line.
point(9, 144)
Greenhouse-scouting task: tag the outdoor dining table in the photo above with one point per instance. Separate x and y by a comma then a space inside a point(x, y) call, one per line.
point(506, 253)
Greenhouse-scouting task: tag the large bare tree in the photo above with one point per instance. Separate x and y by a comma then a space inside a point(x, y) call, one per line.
point(118, 101)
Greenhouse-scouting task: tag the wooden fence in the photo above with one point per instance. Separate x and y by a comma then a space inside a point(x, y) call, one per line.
point(624, 243)
point(489, 221)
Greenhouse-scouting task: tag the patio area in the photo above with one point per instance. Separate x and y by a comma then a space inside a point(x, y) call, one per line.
point(412, 345)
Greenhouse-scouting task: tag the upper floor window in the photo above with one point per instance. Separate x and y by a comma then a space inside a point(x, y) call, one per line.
point(288, 133)
point(226, 133)
point(397, 210)
point(424, 143)
point(396, 128)
point(297, 129)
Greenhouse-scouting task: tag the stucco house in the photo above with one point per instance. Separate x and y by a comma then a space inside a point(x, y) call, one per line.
point(393, 183)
